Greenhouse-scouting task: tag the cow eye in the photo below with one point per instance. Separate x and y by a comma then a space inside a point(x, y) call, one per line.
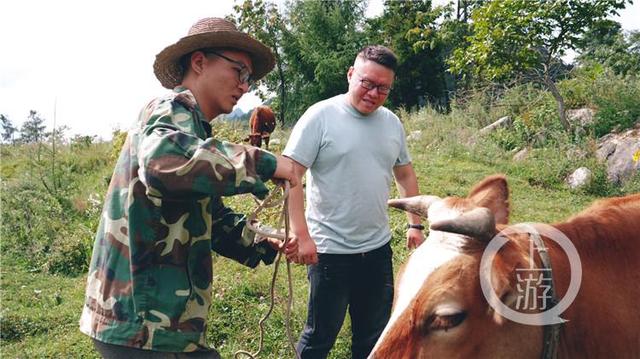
point(446, 321)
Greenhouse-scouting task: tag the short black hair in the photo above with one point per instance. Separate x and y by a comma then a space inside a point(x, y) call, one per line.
point(381, 55)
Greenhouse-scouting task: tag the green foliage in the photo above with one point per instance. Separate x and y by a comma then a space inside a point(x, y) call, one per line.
point(81, 142)
point(8, 129)
point(264, 22)
point(314, 42)
point(117, 141)
point(511, 36)
point(231, 131)
point(32, 131)
point(50, 228)
point(619, 112)
point(409, 28)
point(321, 43)
point(616, 98)
point(527, 37)
point(46, 241)
point(605, 43)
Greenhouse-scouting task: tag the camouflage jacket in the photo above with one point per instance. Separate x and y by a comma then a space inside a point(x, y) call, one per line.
point(149, 283)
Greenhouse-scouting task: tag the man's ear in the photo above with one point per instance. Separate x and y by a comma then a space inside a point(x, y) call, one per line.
point(350, 73)
point(197, 61)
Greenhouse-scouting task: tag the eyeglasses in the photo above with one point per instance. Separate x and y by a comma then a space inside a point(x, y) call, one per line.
point(244, 75)
point(370, 85)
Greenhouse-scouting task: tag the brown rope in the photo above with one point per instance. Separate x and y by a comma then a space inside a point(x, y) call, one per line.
point(283, 222)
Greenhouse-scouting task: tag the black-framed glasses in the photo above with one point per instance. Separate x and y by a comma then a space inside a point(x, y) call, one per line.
point(244, 74)
point(370, 85)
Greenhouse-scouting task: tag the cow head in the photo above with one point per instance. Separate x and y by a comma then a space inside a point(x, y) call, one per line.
point(255, 140)
point(439, 310)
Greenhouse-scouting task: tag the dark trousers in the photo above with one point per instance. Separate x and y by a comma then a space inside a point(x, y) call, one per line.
point(363, 283)
point(112, 351)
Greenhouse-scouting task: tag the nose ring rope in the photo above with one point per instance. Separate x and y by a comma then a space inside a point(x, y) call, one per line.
point(283, 222)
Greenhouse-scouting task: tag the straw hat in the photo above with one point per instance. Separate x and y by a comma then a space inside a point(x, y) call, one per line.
point(210, 32)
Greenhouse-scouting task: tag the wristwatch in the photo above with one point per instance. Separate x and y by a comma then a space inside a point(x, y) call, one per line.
point(415, 226)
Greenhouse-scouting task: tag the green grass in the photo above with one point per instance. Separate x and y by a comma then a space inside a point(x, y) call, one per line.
point(40, 309)
point(40, 315)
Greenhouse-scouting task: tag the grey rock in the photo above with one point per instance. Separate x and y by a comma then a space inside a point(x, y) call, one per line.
point(502, 122)
point(620, 152)
point(521, 155)
point(579, 178)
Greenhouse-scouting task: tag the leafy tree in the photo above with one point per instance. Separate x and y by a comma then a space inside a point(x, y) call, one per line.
point(409, 28)
point(264, 21)
point(605, 43)
point(57, 135)
point(321, 43)
point(32, 130)
point(8, 129)
point(511, 37)
point(314, 43)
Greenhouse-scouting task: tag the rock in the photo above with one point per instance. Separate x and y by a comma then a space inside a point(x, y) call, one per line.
point(521, 155)
point(502, 122)
point(621, 153)
point(579, 178)
point(414, 136)
point(581, 117)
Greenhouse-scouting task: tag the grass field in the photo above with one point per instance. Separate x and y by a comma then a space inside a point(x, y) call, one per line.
point(40, 309)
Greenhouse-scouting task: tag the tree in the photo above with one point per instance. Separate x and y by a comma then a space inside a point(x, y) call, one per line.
point(32, 130)
point(314, 43)
point(321, 43)
point(511, 37)
point(605, 43)
point(409, 28)
point(264, 22)
point(8, 129)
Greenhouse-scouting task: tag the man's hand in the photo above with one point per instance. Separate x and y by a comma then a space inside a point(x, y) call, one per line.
point(307, 251)
point(291, 249)
point(415, 237)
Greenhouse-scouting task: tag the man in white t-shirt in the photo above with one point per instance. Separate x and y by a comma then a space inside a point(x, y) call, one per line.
point(351, 149)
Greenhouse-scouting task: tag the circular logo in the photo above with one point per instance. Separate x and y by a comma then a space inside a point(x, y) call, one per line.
point(528, 282)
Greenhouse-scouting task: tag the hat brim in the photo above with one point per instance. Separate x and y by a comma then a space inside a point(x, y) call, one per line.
point(169, 72)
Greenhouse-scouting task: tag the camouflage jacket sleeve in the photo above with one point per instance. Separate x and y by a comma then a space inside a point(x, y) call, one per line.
point(230, 238)
point(179, 160)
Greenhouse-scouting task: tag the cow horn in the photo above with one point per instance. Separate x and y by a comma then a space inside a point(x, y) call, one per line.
point(417, 205)
point(479, 223)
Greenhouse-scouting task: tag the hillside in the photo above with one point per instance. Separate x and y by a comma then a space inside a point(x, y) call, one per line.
point(51, 203)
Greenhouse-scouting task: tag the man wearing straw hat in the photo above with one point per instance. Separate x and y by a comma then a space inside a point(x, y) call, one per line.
point(149, 284)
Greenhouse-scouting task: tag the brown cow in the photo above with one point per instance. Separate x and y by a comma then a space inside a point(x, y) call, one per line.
point(261, 124)
point(439, 308)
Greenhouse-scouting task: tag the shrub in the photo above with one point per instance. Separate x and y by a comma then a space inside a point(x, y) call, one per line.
point(117, 142)
point(620, 111)
point(30, 221)
point(70, 253)
point(599, 185)
point(616, 98)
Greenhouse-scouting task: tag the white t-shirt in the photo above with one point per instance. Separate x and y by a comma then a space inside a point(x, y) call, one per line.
point(350, 158)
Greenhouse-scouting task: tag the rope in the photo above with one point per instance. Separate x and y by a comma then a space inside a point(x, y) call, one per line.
point(283, 222)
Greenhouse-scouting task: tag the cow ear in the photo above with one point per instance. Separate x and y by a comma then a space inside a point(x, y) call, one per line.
point(493, 193)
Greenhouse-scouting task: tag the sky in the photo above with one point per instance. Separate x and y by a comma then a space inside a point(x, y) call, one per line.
point(88, 64)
